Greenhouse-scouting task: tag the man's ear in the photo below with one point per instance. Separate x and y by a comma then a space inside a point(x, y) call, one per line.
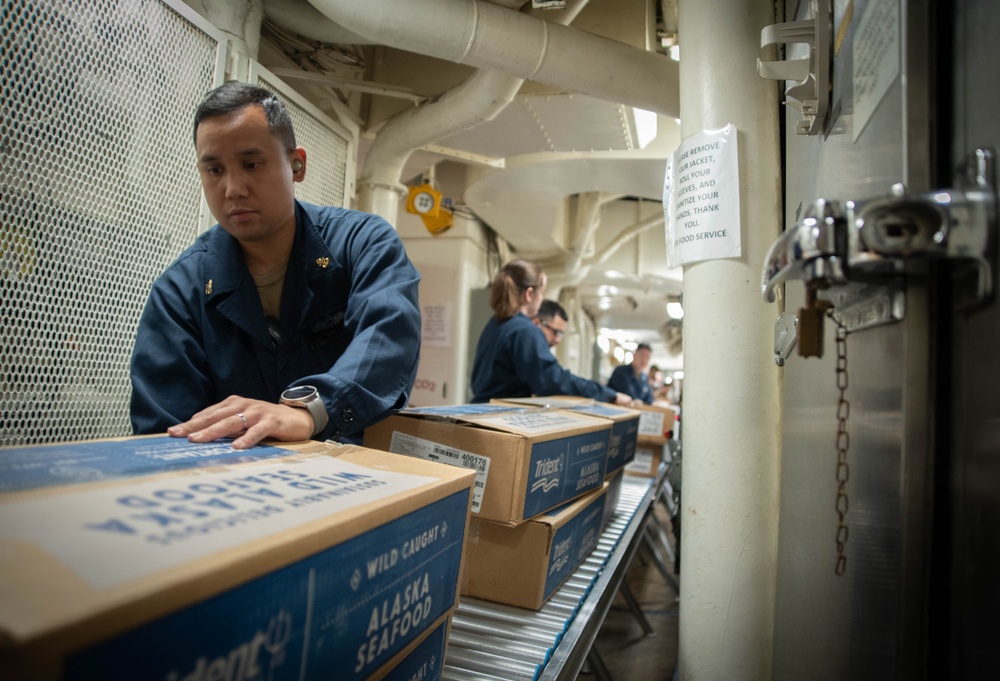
point(297, 158)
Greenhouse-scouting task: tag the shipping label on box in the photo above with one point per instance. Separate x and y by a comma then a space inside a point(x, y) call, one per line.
point(410, 445)
point(647, 460)
point(655, 422)
point(176, 569)
point(166, 522)
point(526, 460)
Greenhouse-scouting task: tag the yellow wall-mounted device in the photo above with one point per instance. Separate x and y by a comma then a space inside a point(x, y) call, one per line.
point(425, 201)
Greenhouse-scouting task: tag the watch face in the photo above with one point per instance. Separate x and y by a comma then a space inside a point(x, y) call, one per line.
point(299, 392)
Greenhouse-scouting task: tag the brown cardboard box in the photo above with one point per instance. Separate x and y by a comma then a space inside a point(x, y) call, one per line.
point(654, 423)
point(196, 562)
point(647, 460)
point(524, 565)
point(527, 461)
point(624, 422)
point(424, 661)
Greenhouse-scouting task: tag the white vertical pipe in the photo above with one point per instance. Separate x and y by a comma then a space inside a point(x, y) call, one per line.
point(731, 411)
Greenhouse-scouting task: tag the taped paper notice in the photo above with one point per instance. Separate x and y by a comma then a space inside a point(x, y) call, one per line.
point(876, 59)
point(701, 198)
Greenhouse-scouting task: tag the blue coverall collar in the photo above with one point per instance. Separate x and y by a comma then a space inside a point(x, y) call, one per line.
point(229, 286)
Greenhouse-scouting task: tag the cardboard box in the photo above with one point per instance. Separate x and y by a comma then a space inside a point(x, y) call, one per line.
point(647, 460)
point(283, 561)
point(426, 661)
point(527, 461)
point(624, 422)
point(655, 422)
point(524, 565)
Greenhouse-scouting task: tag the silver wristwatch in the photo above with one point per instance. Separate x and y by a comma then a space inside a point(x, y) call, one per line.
point(307, 397)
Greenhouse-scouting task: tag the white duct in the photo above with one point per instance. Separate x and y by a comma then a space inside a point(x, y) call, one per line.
point(491, 37)
point(309, 22)
point(475, 101)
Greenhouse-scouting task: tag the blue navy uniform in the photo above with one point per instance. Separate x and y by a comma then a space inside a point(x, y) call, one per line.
point(350, 326)
point(624, 380)
point(513, 360)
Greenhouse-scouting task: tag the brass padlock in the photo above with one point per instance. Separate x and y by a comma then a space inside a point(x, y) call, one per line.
point(811, 331)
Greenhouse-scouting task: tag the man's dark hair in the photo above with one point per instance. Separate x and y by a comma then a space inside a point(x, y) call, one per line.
point(643, 346)
point(550, 309)
point(234, 95)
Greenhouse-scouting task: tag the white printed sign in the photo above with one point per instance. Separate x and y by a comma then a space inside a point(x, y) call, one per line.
point(409, 445)
point(876, 58)
point(701, 198)
point(150, 526)
point(435, 325)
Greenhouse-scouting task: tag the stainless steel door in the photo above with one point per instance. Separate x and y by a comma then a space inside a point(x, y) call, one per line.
point(869, 622)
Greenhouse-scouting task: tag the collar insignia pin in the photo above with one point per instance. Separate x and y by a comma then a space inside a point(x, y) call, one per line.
point(323, 262)
point(208, 287)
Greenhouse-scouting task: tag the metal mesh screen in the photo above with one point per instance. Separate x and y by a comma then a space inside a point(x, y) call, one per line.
point(97, 196)
point(326, 147)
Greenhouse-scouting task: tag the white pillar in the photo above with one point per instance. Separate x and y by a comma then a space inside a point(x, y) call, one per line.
point(730, 410)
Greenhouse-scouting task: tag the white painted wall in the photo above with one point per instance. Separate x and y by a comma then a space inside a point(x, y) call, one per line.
point(451, 265)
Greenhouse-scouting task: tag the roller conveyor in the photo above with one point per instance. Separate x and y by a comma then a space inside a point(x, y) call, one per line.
point(494, 642)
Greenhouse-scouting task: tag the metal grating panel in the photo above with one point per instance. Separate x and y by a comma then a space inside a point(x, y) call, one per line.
point(97, 197)
point(327, 147)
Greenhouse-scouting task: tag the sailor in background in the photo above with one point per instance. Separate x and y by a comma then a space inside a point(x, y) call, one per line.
point(513, 358)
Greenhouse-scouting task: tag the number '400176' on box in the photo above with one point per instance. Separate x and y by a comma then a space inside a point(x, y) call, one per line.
point(169, 562)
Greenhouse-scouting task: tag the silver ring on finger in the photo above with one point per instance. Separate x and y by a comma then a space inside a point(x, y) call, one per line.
point(244, 420)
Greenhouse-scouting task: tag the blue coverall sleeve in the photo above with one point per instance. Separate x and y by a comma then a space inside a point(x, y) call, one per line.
point(169, 370)
point(375, 374)
point(541, 371)
point(619, 380)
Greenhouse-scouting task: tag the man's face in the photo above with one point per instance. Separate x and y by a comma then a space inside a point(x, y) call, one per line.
point(247, 174)
point(641, 359)
point(552, 328)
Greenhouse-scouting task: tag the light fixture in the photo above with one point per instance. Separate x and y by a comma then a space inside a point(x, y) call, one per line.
point(675, 311)
point(619, 353)
point(603, 343)
point(675, 52)
point(645, 126)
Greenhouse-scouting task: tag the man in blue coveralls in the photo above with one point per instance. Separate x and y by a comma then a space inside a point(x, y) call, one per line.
point(284, 320)
point(632, 379)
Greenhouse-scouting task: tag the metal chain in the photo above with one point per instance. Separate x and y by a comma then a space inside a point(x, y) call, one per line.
point(843, 444)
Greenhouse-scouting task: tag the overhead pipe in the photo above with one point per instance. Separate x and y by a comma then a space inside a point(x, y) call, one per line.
point(309, 22)
point(575, 269)
point(585, 226)
point(489, 36)
point(480, 98)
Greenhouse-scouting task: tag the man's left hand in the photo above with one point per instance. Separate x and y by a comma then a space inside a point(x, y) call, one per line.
point(247, 421)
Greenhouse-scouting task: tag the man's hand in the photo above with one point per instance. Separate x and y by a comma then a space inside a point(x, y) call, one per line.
point(623, 400)
point(262, 419)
